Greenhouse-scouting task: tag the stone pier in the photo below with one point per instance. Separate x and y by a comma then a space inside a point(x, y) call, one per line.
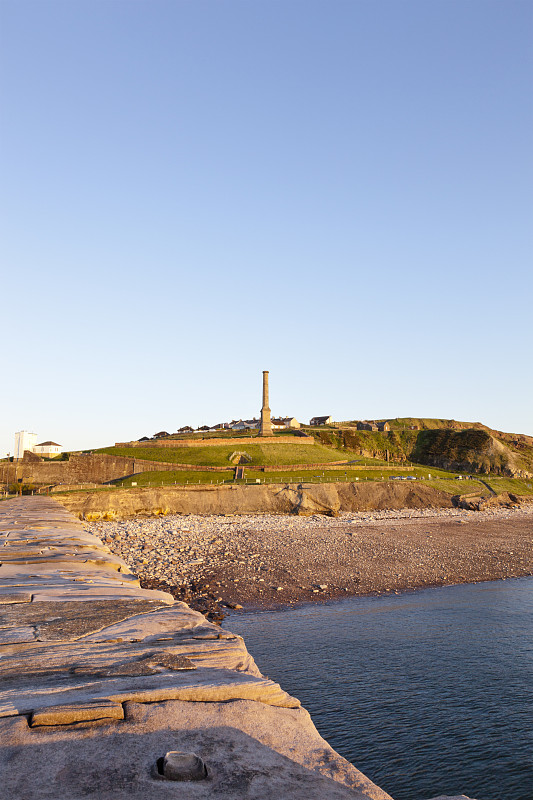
point(110, 691)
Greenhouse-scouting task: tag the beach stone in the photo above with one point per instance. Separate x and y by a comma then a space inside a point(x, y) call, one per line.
point(452, 797)
point(179, 766)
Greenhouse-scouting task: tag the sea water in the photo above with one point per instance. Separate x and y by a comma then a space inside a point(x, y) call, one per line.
point(427, 693)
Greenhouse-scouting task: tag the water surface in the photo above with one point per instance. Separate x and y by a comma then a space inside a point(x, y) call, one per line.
point(428, 693)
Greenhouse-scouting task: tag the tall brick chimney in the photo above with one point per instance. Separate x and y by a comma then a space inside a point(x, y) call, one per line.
point(265, 428)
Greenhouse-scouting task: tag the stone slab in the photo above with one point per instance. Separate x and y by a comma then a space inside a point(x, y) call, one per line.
point(251, 751)
point(15, 597)
point(79, 593)
point(175, 619)
point(64, 570)
point(70, 620)
point(200, 685)
point(24, 633)
point(26, 664)
point(77, 712)
point(57, 556)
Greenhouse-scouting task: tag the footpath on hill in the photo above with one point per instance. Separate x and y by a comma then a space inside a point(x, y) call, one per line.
point(272, 560)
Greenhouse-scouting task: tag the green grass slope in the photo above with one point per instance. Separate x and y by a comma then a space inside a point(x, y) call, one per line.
point(445, 444)
point(267, 454)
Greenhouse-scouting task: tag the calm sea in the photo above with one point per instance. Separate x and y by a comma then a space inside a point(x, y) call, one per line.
point(427, 693)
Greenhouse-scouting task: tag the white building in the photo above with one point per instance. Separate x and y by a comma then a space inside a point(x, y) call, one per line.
point(27, 441)
point(47, 449)
point(24, 441)
point(284, 422)
point(244, 425)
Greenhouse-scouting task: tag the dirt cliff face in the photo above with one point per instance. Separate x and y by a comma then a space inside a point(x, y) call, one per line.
point(468, 450)
point(457, 448)
point(326, 498)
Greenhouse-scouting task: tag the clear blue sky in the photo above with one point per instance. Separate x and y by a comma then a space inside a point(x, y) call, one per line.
point(339, 191)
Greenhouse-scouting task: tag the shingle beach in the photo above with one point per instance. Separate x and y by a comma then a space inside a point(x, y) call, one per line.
point(267, 561)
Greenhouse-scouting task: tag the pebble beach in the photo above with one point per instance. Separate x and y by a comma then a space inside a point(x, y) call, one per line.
point(269, 561)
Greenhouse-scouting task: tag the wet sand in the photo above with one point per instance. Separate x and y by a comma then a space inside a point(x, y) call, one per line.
point(268, 561)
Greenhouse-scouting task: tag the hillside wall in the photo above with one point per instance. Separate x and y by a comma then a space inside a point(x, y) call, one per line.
point(217, 442)
point(96, 468)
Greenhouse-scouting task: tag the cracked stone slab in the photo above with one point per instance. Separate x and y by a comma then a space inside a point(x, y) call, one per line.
point(9, 597)
point(177, 619)
point(46, 569)
point(150, 664)
point(44, 557)
point(77, 712)
point(41, 662)
point(85, 593)
point(22, 634)
point(31, 538)
point(72, 620)
point(199, 686)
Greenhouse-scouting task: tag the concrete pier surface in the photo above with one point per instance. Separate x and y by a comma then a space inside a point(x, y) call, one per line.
point(109, 691)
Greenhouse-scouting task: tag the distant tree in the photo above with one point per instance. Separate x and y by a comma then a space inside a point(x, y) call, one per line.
point(21, 488)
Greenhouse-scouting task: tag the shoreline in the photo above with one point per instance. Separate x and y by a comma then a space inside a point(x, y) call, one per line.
point(270, 562)
point(231, 614)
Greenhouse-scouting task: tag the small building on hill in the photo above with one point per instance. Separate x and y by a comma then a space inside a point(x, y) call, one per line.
point(47, 449)
point(281, 423)
point(365, 425)
point(245, 425)
point(320, 421)
point(372, 425)
point(25, 442)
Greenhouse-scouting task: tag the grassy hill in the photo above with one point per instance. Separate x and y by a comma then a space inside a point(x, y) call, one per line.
point(456, 447)
point(260, 454)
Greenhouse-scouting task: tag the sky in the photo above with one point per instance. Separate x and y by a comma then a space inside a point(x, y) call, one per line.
point(193, 191)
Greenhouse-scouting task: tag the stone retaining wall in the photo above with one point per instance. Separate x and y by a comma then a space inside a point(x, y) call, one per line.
point(217, 442)
point(90, 468)
point(101, 468)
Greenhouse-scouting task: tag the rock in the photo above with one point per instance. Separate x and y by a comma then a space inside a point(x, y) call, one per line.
point(179, 766)
point(454, 797)
point(77, 712)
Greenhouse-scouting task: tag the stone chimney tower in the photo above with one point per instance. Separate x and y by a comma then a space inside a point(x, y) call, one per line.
point(265, 428)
